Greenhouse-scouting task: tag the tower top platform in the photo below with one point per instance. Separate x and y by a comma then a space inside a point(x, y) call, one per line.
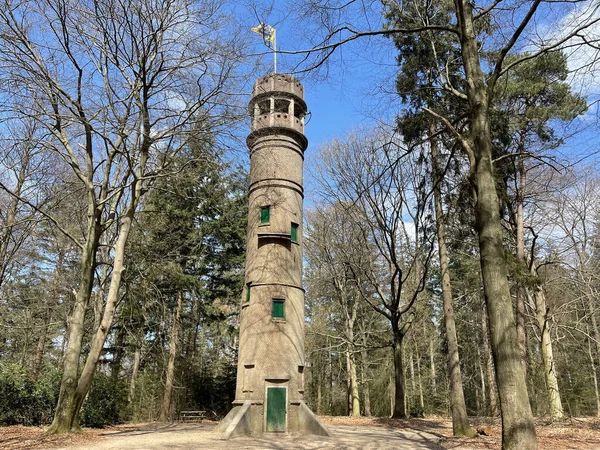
point(278, 82)
point(277, 107)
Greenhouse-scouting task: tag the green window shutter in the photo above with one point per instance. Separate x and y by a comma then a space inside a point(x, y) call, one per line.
point(248, 293)
point(278, 308)
point(265, 214)
point(294, 232)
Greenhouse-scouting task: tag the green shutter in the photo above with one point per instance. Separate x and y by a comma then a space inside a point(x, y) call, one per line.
point(248, 293)
point(278, 308)
point(265, 214)
point(294, 232)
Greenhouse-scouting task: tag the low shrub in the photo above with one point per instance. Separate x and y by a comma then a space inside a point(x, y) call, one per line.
point(24, 401)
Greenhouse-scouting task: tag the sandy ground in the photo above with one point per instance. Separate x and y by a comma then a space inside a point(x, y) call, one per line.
point(200, 436)
point(348, 434)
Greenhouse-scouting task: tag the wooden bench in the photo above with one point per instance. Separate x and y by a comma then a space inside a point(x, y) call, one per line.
point(184, 416)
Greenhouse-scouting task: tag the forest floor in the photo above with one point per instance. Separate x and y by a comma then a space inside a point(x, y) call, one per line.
point(573, 434)
point(347, 434)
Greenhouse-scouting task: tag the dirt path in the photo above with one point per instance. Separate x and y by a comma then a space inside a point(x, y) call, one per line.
point(200, 436)
point(364, 433)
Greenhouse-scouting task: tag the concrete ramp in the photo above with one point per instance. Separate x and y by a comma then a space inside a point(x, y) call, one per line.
point(309, 423)
point(236, 423)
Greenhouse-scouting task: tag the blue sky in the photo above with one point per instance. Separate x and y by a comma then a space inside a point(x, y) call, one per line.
point(356, 89)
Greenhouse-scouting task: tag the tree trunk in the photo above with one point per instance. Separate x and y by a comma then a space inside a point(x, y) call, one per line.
point(66, 408)
point(419, 380)
point(392, 396)
point(354, 388)
point(489, 363)
point(556, 409)
point(166, 402)
point(482, 380)
point(330, 366)
point(413, 384)
point(134, 371)
point(112, 299)
point(432, 367)
point(518, 429)
point(63, 345)
point(41, 344)
point(460, 420)
point(118, 353)
point(98, 302)
point(348, 384)
point(319, 396)
point(364, 381)
point(399, 404)
point(594, 377)
point(520, 301)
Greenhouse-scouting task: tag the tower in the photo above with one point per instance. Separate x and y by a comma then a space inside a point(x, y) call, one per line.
point(271, 365)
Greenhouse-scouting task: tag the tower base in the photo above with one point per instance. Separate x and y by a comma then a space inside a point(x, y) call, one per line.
point(249, 418)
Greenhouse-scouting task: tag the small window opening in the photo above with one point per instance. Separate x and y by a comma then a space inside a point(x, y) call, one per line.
point(265, 214)
point(278, 308)
point(294, 232)
point(248, 292)
point(264, 107)
point(282, 106)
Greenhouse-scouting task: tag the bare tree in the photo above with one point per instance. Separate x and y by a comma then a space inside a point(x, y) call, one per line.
point(165, 409)
point(572, 214)
point(387, 185)
point(117, 85)
point(460, 421)
point(21, 166)
point(476, 86)
point(334, 245)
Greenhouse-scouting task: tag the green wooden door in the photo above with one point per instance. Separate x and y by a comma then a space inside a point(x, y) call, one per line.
point(276, 402)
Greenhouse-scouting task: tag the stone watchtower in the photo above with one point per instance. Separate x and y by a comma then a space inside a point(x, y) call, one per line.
point(270, 374)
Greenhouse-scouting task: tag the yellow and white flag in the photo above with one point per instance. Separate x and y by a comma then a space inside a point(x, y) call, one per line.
point(267, 32)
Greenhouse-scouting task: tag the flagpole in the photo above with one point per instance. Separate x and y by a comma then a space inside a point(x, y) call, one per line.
point(274, 51)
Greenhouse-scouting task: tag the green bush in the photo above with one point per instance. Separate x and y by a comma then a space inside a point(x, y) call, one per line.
point(106, 403)
point(27, 402)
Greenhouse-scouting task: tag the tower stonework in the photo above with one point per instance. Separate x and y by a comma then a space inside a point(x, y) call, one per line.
point(271, 365)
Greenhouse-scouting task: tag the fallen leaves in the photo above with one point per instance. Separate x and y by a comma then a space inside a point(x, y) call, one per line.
point(30, 438)
point(575, 434)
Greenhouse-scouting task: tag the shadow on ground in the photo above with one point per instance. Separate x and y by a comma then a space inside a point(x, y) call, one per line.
point(201, 436)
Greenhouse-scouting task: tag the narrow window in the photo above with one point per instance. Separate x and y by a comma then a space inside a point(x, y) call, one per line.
point(301, 380)
point(247, 292)
point(282, 106)
point(294, 232)
point(278, 308)
point(265, 214)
